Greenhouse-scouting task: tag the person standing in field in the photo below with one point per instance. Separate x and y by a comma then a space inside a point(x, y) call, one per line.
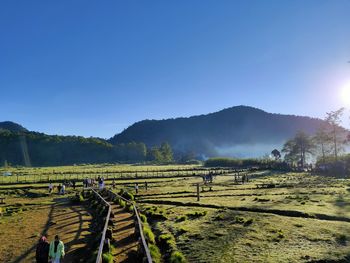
point(103, 182)
point(85, 183)
point(137, 188)
point(59, 187)
point(50, 187)
point(42, 251)
point(100, 183)
point(63, 189)
point(56, 250)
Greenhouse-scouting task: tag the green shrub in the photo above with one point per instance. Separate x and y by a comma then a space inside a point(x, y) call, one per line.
point(149, 234)
point(130, 208)
point(167, 241)
point(143, 218)
point(155, 253)
point(128, 196)
point(122, 203)
point(165, 237)
point(107, 258)
point(177, 257)
point(155, 215)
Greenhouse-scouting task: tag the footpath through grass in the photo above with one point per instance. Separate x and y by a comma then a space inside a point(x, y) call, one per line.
point(24, 219)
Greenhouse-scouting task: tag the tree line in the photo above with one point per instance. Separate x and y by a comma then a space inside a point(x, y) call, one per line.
point(326, 146)
point(265, 163)
point(38, 149)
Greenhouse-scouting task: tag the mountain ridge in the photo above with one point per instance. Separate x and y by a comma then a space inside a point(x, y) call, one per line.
point(217, 132)
point(12, 126)
point(239, 131)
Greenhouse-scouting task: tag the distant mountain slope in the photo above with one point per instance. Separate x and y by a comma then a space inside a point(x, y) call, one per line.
point(238, 131)
point(11, 126)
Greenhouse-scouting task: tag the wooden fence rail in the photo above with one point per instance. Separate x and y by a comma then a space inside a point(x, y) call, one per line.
point(100, 249)
point(138, 226)
point(19, 178)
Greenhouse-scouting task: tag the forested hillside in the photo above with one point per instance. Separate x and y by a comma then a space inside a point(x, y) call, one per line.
point(38, 149)
point(237, 131)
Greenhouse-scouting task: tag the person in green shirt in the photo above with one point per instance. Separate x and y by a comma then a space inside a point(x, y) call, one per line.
point(56, 250)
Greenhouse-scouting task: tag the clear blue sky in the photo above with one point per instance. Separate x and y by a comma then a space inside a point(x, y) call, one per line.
point(92, 68)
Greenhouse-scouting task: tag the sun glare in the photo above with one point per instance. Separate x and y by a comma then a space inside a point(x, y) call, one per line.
point(345, 94)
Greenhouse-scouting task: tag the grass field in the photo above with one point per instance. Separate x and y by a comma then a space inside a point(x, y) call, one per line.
point(299, 218)
point(303, 219)
point(26, 216)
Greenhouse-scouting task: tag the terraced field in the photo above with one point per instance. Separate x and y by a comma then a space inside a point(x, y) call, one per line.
point(303, 218)
point(274, 217)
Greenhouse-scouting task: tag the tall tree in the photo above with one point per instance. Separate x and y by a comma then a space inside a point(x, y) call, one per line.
point(155, 155)
point(323, 141)
point(298, 148)
point(276, 154)
point(333, 118)
point(167, 152)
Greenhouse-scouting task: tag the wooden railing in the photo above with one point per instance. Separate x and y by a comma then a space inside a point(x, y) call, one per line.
point(100, 249)
point(138, 226)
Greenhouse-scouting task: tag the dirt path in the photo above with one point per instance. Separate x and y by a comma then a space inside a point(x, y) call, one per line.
point(72, 223)
point(125, 240)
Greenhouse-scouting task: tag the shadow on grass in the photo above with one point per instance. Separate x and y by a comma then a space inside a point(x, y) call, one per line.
point(77, 255)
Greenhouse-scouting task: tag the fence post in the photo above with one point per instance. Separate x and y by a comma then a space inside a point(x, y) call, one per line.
point(198, 196)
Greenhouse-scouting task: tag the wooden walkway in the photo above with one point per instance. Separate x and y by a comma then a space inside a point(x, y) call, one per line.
point(125, 241)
